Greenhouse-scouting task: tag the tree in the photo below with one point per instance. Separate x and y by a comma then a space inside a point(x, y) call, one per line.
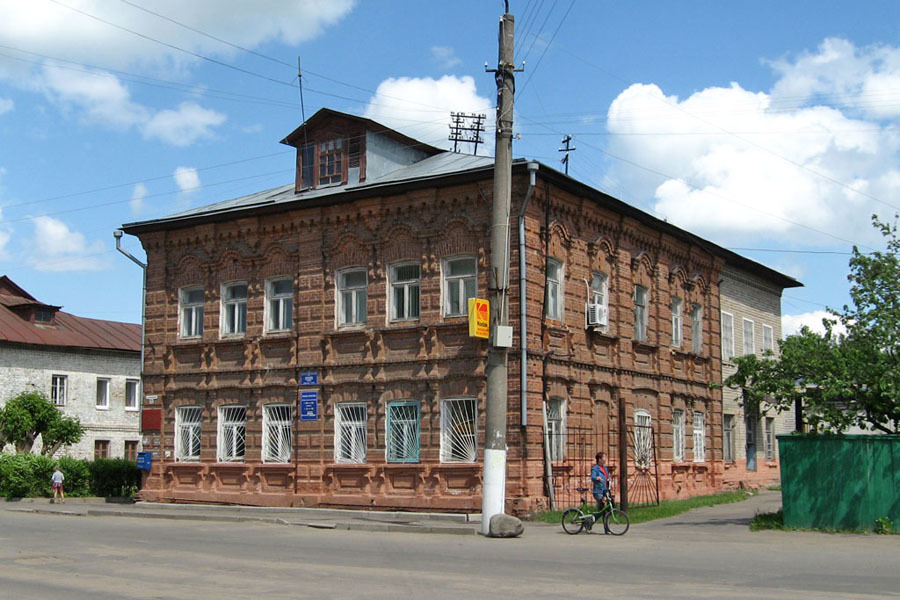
point(31, 414)
point(846, 379)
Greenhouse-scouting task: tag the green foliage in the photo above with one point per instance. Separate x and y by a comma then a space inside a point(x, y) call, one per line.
point(841, 380)
point(16, 478)
point(28, 475)
point(884, 525)
point(78, 476)
point(32, 414)
point(114, 477)
point(762, 521)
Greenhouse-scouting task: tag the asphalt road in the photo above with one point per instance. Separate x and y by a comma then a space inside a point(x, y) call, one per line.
point(708, 553)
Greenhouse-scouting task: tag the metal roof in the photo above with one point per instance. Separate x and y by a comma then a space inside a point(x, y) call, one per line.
point(66, 330)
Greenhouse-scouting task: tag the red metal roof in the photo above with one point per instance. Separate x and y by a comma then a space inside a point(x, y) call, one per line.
point(65, 329)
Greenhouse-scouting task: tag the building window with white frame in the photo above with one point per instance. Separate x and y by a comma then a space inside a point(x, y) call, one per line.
point(699, 437)
point(280, 304)
point(727, 336)
point(277, 425)
point(232, 431)
point(58, 385)
point(458, 431)
point(234, 309)
point(768, 339)
point(555, 289)
point(677, 435)
point(405, 278)
point(643, 439)
point(770, 438)
point(749, 342)
point(460, 284)
point(350, 440)
point(352, 296)
point(132, 389)
point(191, 312)
point(187, 433)
point(403, 432)
point(728, 438)
point(599, 298)
point(102, 393)
point(556, 428)
point(641, 313)
point(696, 328)
point(677, 303)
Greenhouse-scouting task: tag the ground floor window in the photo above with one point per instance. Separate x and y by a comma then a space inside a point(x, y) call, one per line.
point(770, 438)
point(231, 433)
point(403, 432)
point(277, 424)
point(101, 449)
point(699, 437)
point(350, 433)
point(556, 428)
point(678, 435)
point(458, 427)
point(643, 439)
point(131, 447)
point(728, 438)
point(187, 432)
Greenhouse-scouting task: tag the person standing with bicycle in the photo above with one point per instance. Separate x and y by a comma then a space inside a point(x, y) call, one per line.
point(600, 479)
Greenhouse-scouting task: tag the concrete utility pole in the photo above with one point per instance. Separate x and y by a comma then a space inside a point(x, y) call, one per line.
point(494, 480)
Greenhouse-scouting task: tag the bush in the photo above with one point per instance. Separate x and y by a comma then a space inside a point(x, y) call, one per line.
point(16, 479)
point(114, 477)
point(28, 475)
point(78, 476)
point(41, 471)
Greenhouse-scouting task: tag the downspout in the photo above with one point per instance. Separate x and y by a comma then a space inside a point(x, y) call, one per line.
point(523, 330)
point(548, 464)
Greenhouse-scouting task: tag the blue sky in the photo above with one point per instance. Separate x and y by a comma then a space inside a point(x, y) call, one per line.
point(768, 127)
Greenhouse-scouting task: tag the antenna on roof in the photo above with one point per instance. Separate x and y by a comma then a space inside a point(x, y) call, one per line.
point(302, 107)
point(565, 159)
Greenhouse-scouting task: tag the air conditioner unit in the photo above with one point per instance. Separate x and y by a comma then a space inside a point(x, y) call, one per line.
point(597, 314)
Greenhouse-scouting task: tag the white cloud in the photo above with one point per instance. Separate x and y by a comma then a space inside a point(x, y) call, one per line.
point(100, 96)
point(731, 164)
point(421, 107)
point(446, 56)
point(6, 105)
point(791, 324)
point(137, 198)
point(187, 179)
point(55, 247)
point(4, 239)
point(184, 126)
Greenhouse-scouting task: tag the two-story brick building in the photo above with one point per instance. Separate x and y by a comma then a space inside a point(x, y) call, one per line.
point(344, 296)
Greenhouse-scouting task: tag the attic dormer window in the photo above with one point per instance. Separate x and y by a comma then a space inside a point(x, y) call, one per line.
point(43, 315)
point(322, 163)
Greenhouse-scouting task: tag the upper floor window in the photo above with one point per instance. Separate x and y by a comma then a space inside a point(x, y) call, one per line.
point(460, 284)
point(727, 336)
point(641, 313)
point(191, 312)
point(234, 309)
point(405, 292)
point(598, 309)
point(554, 289)
point(768, 339)
point(352, 296)
point(102, 393)
point(131, 394)
point(322, 163)
point(749, 344)
point(279, 304)
point(58, 385)
point(696, 328)
point(676, 322)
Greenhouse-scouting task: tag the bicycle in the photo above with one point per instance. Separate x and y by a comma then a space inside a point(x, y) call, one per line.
point(615, 520)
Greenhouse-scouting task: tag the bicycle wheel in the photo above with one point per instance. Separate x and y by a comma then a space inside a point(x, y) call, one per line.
point(572, 521)
point(616, 522)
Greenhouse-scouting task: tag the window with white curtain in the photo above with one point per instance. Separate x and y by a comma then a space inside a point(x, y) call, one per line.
point(677, 435)
point(556, 427)
point(699, 437)
point(191, 311)
point(352, 296)
point(460, 284)
point(234, 309)
point(280, 304)
point(727, 336)
point(555, 289)
point(405, 278)
point(677, 321)
point(749, 342)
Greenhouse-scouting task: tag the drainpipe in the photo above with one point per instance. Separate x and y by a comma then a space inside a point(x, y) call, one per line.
point(523, 337)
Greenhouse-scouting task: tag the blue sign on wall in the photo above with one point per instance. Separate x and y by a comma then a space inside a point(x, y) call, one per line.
point(309, 405)
point(144, 460)
point(309, 378)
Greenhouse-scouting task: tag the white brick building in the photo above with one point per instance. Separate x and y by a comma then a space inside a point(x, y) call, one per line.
point(89, 368)
point(750, 324)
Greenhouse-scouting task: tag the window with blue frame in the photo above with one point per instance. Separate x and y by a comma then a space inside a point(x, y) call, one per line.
point(403, 432)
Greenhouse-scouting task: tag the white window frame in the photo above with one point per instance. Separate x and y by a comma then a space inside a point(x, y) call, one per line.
point(231, 434)
point(402, 431)
point(768, 338)
point(188, 420)
point(132, 394)
point(556, 427)
point(58, 389)
point(279, 306)
point(728, 446)
point(748, 336)
point(769, 440)
point(641, 312)
point(699, 434)
point(409, 292)
point(234, 310)
point(677, 322)
point(643, 438)
point(352, 298)
point(696, 328)
point(102, 397)
point(350, 432)
point(190, 312)
point(677, 435)
point(278, 424)
point(459, 430)
point(727, 336)
point(462, 286)
point(555, 289)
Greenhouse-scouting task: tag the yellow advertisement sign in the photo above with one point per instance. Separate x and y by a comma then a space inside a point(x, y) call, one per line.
point(479, 318)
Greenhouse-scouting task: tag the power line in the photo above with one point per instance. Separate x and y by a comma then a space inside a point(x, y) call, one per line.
point(547, 47)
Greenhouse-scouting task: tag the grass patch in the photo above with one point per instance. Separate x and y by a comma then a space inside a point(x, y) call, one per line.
point(763, 521)
point(667, 508)
point(774, 488)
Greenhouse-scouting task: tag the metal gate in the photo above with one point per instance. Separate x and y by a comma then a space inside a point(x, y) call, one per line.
point(572, 453)
point(643, 480)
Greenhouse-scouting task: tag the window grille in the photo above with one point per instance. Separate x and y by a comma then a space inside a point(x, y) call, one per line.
point(187, 433)
point(191, 312)
point(727, 336)
point(556, 427)
point(280, 304)
point(696, 328)
point(277, 424)
point(728, 438)
point(350, 433)
point(405, 285)
point(640, 313)
point(554, 289)
point(676, 322)
point(678, 435)
point(131, 394)
point(458, 427)
point(58, 389)
point(232, 433)
point(643, 440)
point(460, 284)
point(403, 432)
point(234, 301)
point(352, 297)
point(699, 437)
